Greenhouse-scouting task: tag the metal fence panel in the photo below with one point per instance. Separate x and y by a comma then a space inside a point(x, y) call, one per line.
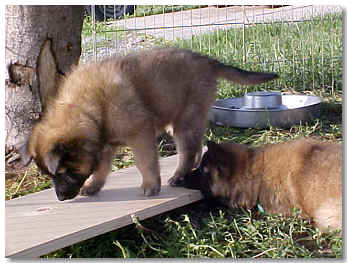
point(302, 43)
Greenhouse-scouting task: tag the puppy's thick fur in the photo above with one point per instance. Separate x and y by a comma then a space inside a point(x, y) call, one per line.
point(304, 174)
point(128, 100)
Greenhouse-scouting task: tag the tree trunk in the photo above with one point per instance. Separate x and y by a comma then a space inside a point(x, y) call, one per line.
point(40, 41)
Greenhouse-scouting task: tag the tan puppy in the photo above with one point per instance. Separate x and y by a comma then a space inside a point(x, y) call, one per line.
point(304, 174)
point(128, 100)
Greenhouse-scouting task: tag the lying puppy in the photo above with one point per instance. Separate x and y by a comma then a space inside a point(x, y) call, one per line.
point(304, 174)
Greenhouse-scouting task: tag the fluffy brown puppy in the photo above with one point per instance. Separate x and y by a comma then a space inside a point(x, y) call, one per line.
point(128, 100)
point(304, 174)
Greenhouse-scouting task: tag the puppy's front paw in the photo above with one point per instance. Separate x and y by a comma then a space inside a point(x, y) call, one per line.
point(91, 188)
point(150, 189)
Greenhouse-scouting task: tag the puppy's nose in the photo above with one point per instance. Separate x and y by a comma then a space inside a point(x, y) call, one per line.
point(61, 197)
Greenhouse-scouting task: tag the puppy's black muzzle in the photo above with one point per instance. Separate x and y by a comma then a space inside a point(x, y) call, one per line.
point(198, 180)
point(67, 186)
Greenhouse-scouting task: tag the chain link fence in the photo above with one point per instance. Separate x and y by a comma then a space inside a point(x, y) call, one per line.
point(302, 43)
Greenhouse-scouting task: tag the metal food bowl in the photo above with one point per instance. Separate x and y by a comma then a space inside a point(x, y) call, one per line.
point(262, 109)
point(262, 100)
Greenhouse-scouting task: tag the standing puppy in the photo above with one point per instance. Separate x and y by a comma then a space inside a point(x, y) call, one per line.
point(128, 100)
point(304, 174)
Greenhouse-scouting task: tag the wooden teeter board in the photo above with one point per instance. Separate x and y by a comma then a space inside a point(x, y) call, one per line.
point(38, 223)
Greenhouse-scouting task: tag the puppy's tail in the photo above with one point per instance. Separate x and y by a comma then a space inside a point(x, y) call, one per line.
point(243, 77)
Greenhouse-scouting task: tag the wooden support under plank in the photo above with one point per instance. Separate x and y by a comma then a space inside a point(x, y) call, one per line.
point(38, 223)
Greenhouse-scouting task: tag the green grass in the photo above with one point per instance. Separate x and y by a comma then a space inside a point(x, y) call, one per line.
point(308, 56)
point(199, 231)
point(87, 29)
point(104, 33)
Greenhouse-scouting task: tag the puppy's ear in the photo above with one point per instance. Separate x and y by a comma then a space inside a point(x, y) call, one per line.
point(52, 160)
point(211, 145)
point(216, 154)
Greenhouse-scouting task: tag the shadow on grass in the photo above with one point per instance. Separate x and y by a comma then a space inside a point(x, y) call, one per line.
point(331, 112)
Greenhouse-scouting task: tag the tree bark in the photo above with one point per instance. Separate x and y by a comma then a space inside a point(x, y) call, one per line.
point(40, 41)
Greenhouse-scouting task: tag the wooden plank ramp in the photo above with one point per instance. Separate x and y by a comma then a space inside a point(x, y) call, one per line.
point(38, 223)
